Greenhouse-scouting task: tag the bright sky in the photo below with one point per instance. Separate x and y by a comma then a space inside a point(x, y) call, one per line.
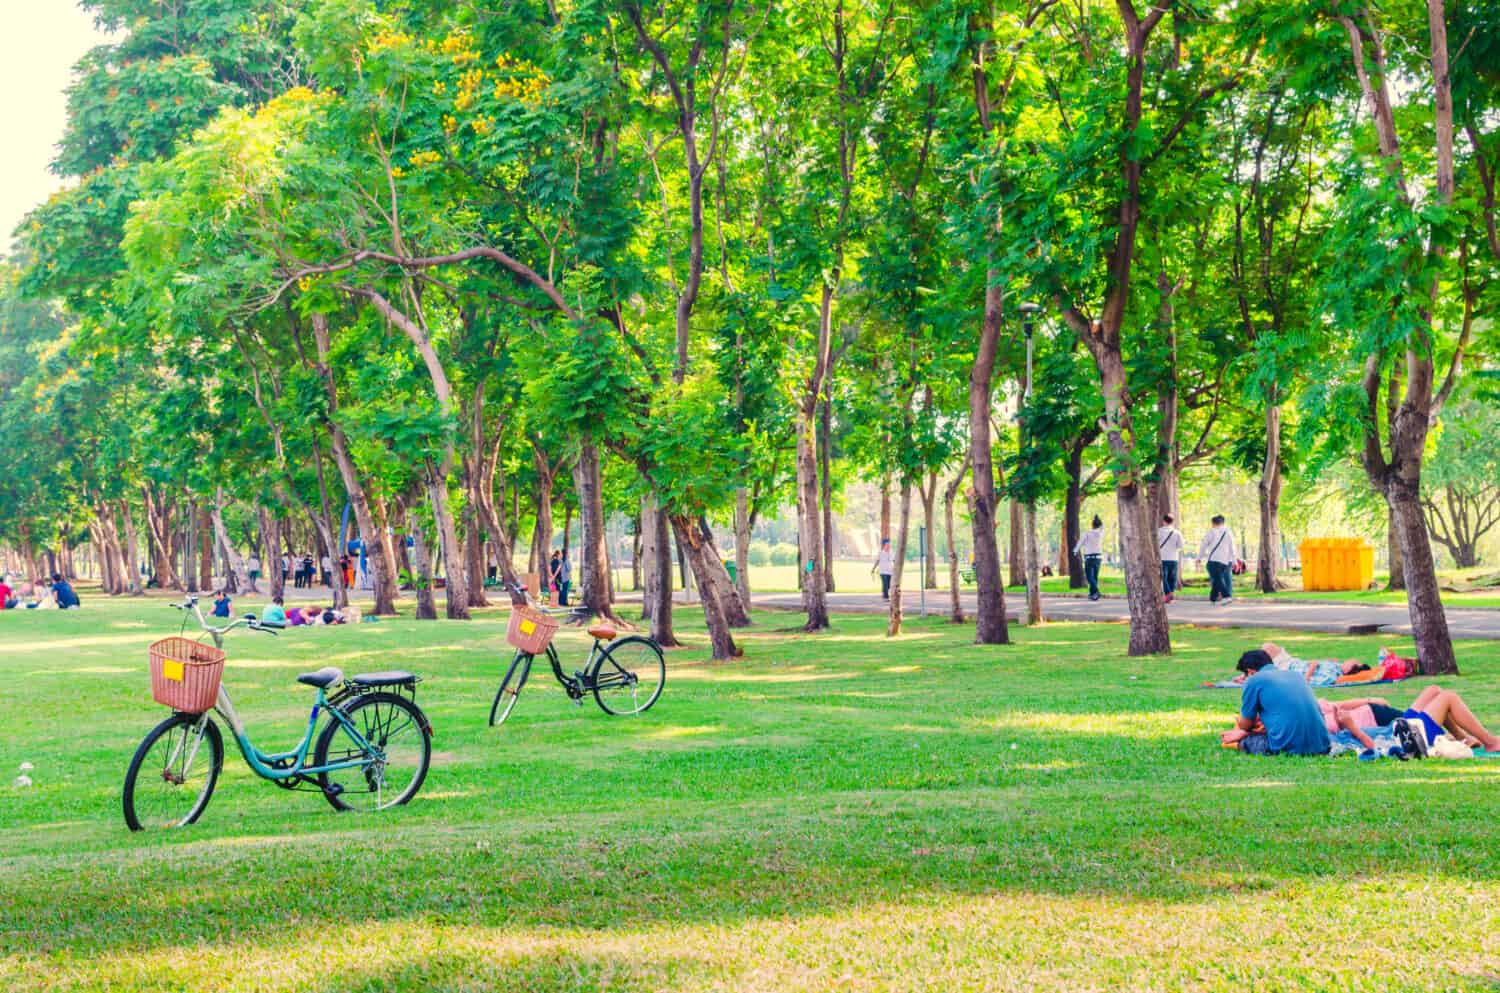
point(41, 41)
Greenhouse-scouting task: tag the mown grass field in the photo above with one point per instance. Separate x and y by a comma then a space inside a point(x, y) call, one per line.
point(839, 812)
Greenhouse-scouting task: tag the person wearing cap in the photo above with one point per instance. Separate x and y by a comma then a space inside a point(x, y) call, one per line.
point(1278, 713)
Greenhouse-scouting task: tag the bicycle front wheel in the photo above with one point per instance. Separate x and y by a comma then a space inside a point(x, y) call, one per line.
point(173, 773)
point(510, 688)
point(391, 769)
point(628, 676)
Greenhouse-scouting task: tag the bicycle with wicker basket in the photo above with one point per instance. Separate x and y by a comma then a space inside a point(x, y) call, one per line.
point(372, 754)
point(625, 675)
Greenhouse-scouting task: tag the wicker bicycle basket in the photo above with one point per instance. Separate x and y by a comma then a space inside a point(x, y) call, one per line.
point(530, 630)
point(185, 674)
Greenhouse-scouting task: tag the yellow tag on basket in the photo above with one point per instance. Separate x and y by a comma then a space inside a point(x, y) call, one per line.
point(528, 626)
point(171, 669)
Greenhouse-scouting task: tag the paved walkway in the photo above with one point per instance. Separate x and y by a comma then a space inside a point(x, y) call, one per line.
point(1297, 615)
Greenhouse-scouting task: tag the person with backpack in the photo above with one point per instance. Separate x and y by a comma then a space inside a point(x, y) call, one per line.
point(1091, 547)
point(1169, 545)
point(1219, 555)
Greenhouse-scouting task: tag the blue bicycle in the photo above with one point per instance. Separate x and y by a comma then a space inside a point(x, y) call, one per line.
point(372, 754)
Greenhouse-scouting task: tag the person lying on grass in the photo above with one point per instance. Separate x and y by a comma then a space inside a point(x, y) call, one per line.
point(1324, 672)
point(1443, 711)
point(1278, 713)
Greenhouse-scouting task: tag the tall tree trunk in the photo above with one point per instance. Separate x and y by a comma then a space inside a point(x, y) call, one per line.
point(656, 547)
point(898, 559)
point(1268, 564)
point(190, 547)
point(809, 523)
point(1424, 599)
point(474, 557)
point(381, 568)
point(742, 529)
point(991, 626)
point(205, 551)
point(421, 570)
point(456, 599)
point(232, 557)
point(735, 609)
point(592, 557)
point(1397, 580)
point(270, 528)
point(1033, 568)
point(885, 511)
point(929, 564)
point(541, 539)
point(950, 494)
point(1017, 536)
point(691, 543)
point(132, 551)
point(159, 531)
point(825, 465)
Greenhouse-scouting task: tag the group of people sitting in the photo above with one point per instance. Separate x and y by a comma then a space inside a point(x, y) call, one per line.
point(1279, 715)
point(57, 595)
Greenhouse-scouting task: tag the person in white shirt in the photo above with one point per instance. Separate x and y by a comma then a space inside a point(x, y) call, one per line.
point(1091, 547)
point(884, 566)
point(1169, 544)
point(1218, 551)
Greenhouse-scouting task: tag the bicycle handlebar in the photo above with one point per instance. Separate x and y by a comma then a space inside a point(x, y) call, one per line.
point(249, 620)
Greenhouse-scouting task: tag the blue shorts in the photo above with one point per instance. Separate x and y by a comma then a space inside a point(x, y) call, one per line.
point(1434, 729)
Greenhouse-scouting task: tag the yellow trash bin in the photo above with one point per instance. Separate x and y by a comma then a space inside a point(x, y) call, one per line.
point(1337, 563)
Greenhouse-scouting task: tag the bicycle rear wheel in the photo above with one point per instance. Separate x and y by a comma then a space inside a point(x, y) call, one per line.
point(628, 676)
point(510, 688)
point(394, 725)
point(173, 773)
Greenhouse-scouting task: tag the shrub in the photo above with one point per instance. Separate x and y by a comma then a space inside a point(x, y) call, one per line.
point(759, 553)
point(784, 554)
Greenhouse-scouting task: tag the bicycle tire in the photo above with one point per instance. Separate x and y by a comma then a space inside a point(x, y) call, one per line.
point(505, 696)
point(380, 730)
point(634, 679)
point(135, 794)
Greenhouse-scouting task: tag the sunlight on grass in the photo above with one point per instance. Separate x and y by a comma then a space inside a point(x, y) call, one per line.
point(685, 732)
point(1149, 726)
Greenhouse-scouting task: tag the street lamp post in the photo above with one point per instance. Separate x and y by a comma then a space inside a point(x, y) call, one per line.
point(1033, 566)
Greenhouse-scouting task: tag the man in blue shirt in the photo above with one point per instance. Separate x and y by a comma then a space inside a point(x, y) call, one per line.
point(63, 591)
point(1278, 712)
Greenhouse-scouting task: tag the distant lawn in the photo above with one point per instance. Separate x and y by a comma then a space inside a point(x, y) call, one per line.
point(839, 812)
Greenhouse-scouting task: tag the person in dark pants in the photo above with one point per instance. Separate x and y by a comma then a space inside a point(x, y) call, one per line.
point(1091, 547)
point(564, 579)
point(884, 565)
point(1169, 544)
point(1218, 552)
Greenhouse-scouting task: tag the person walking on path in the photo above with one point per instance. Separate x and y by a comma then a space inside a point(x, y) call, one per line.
point(286, 567)
point(1219, 553)
point(885, 566)
point(1169, 543)
point(564, 579)
point(1091, 547)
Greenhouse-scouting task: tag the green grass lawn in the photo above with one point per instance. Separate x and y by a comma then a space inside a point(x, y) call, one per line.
point(838, 812)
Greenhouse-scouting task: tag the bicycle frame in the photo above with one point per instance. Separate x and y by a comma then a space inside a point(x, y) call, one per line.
point(268, 765)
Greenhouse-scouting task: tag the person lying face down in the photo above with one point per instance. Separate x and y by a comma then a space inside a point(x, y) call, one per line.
point(1278, 713)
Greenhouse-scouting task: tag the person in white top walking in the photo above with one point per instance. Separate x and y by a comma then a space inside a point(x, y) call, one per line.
point(1169, 544)
point(1091, 547)
point(1217, 548)
point(884, 566)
